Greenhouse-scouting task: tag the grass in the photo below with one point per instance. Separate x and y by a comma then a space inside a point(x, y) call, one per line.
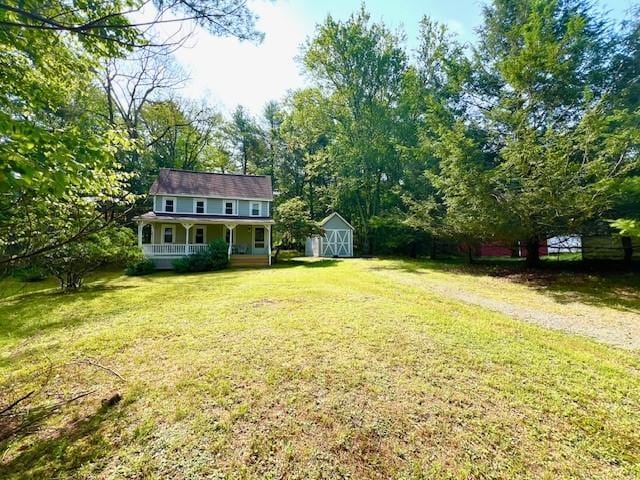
point(329, 369)
point(560, 283)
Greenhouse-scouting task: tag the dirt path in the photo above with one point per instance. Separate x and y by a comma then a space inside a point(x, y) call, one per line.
point(607, 325)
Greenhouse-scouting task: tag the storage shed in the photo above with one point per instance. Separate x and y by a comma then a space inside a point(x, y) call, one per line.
point(337, 240)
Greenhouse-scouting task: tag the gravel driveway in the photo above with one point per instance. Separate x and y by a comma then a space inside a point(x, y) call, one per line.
point(608, 325)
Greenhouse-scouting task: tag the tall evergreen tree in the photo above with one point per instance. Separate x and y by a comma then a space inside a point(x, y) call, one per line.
point(246, 139)
point(556, 145)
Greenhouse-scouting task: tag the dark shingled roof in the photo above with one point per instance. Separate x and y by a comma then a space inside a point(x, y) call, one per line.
point(206, 184)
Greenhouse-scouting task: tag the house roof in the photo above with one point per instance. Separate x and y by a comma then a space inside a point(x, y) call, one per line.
point(335, 214)
point(200, 218)
point(171, 181)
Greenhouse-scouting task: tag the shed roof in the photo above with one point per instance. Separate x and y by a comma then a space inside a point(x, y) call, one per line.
point(333, 215)
point(171, 181)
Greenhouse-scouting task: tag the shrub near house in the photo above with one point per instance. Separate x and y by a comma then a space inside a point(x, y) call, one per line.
point(213, 258)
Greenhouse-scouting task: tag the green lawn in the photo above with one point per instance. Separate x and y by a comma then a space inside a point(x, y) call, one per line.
point(329, 369)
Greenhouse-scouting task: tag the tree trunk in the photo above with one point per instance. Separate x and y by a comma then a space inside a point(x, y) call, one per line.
point(627, 245)
point(311, 198)
point(245, 159)
point(470, 254)
point(533, 252)
point(434, 249)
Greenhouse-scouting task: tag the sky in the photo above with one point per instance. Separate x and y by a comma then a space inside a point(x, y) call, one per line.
point(227, 72)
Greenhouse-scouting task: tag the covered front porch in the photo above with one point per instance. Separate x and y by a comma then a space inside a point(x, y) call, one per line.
point(167, 238)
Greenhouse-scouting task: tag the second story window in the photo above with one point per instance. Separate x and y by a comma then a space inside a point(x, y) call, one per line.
point(199, 206)
point(229, 207)
point(169, 205)
point(256, 209)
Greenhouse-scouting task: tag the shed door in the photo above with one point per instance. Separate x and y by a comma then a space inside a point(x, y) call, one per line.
point(337, 243)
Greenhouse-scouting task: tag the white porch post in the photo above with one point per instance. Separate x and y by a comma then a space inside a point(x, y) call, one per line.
point(269, 242)
point(140, 227)
point(187, 226)
point(231, 229)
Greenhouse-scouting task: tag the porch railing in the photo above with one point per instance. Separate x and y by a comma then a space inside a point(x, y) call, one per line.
point(171, 249)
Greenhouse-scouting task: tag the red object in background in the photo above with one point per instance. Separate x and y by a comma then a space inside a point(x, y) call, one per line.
point(498, 250)
point(493, 250)
point(543, 249)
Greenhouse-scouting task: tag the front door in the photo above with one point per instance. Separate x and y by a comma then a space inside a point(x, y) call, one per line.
point(259, 241)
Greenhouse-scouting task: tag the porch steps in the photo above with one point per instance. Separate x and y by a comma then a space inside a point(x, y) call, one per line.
point(249, 261)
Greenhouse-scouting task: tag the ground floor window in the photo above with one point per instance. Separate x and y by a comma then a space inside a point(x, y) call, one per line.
point(259, 238)
point(146, 234)
point(168, 234)
point(227, 236)
point(199, 235)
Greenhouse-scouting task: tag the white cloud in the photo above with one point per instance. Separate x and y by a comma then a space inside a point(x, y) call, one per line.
point(228, 72)
point(456, 27)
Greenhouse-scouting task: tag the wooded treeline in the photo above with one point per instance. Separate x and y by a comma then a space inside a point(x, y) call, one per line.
point(533, 131)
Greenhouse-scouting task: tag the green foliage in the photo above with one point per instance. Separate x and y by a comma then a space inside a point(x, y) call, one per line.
point(627, 208)
point(197, 262)
point(33, 273)
point(294, 224)
point(360, 66)
point(176, 134)
point(47, 147)
point(58, 175)
point(530, 135)
point(214, 258)
point(140, 267)
point(227, 18)
point(70, 263)
point(627, 227)
point(34, 222)
point(548, 151)
point(247, 141)
point(307, 170)
point(394, 236)
point(218, 251)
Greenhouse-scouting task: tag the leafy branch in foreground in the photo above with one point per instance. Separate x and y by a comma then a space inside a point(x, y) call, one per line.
point(110, 23)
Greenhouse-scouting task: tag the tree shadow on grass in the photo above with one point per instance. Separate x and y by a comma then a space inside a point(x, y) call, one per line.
point(620, 292)
point(16, 312)
point(601, 285)
point(11, 288)
point(59, 454)
point(324, 263)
